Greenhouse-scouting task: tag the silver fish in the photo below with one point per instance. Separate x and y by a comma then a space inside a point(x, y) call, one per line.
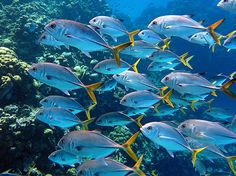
point(228, 5)
point(47, 39)
point(133, 80)
point(112, 27)
point(60, 77)
point(62, 157)
point(93, 145)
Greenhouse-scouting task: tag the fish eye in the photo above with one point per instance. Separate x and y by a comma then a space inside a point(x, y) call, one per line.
point(94, 20)
point(81, 172)
point(34, 69)
point(109, 121)
point(44, 37)
point(124, 100)
point(62, 141)
point(149, 128)
point(183, 126)
point(154, 22)
point(195, 36)
point(142, 33)
point(225, 0)
point(135, 102)
point(45, 101)
point(40, 113)
point(53, 26)
point(167, 78)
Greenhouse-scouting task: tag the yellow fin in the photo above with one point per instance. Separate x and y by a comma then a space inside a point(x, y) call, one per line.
point(132, 34)
point(135, 65)
point(137, 169)
point(156, 107)
point(212, 28)
point(163, 89)
point(86, 123)
point(90, 88)
point(193, 105)
point(127, 146)
point(184, 55)
point(195, 153)
point(138, 120)
point(166, 44)
point(231, 76)
point(226, 86)
point(231, 160)
point(182, 110)
point(214, 93)
point(231, 34)
point(166, 98)
point(117, 49)
point(89, 109)
point(187, 62)
point(209, 103)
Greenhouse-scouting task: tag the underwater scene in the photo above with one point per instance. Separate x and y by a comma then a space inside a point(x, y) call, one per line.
point(117, 87)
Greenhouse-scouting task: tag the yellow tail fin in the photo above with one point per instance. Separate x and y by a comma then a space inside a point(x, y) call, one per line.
point(89, 109)
point(166, 44)
point(209, 103)
point(193, 105)
point(138, 120)
point(195, 153)
point(127, 146)
point(231, 34)
point(166, 98)
point(135, 65)
point(131, 36)
point(231, 160)
point(117, 49)
point(185, 60)
point(137, 169)
point(226, 86)
point(213, 93)
point(86, 123)
point(156, 107)
point(212, 28)
point(231, 76)
point(163, 89)
point(90, 88)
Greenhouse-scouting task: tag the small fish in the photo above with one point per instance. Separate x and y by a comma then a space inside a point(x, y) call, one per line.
point(149, 36)
point(112, 27)
point(94, 145)
point(141, 49)
point(219, 113)
point(205, 39)
point(106, 166)
point(110, 67)
point(161, 66)
point(58, 117)
point(169, 138)
point(164, 110)
point(182, 26)
point(165, 56)
point(62, 102)
point(135, 111)
point(107, 86)
point(7, 173)
point(117, 119)
point(211, 153)
point(144, 99)
point(47, 39)
point(82, 36)
point(61, 78)
point(62, 157)
point(133, 80)
point(228, 5)
point(207, 132)
point(194, 84)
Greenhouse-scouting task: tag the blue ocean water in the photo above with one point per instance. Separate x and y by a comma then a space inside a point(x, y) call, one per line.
point(28, 142)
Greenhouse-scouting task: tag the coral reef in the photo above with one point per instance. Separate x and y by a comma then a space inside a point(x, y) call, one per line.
point(15, 83)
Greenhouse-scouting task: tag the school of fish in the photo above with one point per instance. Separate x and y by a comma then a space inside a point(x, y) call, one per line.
point(182, 90)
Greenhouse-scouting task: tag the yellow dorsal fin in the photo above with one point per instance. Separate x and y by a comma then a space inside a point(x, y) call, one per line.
point(231, 160)
point(193, 105)
point(214, 93)
point(231, 76)
point(90, 88)
point(86, 123)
